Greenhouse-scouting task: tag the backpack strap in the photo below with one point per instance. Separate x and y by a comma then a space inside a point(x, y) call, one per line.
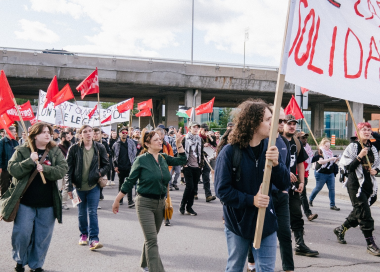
point(236, 159)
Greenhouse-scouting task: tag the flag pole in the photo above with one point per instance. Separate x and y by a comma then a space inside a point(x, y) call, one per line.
point(24, 127)
point(272, 137)
point(357, 131)
point(100, 122)
point(312, 135)
point(153, 118)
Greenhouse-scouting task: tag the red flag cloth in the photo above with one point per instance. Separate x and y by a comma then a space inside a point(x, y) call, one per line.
point(205, 108)
point(64, 95)
point(5, 123)
point(145, 105)
point(304, 90)
point(108, 119)
point(126, 106)
point(144, 113)
point(92, 112)
point(51, 91)
point(90, 85)
point(294, 109)
point(6, 95)
point(25, 110)
point(33, 121)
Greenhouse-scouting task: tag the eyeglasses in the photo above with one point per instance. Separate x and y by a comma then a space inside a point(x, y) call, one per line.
point(282, 121)
point(124, 132)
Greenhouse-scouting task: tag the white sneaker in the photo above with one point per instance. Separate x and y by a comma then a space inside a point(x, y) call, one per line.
point(99, 207)
point(145, 269)
point(113, 183)
point(65, 207)
point(108, 183)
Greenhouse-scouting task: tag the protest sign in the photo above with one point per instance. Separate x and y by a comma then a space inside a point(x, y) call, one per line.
point(26, 112)
point(334, 48)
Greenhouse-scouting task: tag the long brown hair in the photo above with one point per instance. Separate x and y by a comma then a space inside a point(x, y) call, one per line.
point(248, 117)
point(223, 142)
point(146, 137)
point(35, 130)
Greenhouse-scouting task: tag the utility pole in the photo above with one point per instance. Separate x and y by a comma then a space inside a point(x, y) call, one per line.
point(192, 34)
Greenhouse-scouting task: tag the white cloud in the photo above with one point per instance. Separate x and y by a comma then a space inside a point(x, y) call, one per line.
point(57, 6)
point(36, 31)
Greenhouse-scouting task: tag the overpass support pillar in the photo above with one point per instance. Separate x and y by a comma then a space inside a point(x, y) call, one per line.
point(171, 106)
point(317, 119)
point(191, 101)
point(357, 111)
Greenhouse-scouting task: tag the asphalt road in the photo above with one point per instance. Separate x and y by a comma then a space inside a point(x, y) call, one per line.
point(190, 243)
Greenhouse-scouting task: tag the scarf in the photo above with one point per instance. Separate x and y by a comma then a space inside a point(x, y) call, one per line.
point(194, 143)
point(350, 154)
point(326, 154)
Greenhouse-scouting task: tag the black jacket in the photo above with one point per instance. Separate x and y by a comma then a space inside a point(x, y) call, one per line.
point(75, 162)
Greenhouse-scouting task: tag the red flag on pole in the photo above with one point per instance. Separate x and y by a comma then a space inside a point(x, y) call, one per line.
point(294, 109)
point(5, 123)
point(6, 95)
point(144, 113)
point(90, 85)
point(126, 106)
point(108, 119)
point(145, 105)
point(304, 90)
point(51, 91)
point(26, 112)
point(205, 108)
point(92, 112)
point(64, 95)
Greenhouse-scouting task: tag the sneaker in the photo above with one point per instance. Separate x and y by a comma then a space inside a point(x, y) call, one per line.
point(372, 247)
point(176, 187)
point(131, 204)
point(19, 268)
point(196, 197)
point(108, 183)
point(167, 222)
point(311, 203)
point(311, 217)
point(65, 207)
point(200, 182)
point(191, 211)
point(145, 269)
point(112, 183)
point(99, 207)
point(181, 210)
point(183, 183)
point(83, 240)
point(339, 232)
point(335, 208)
point(170, 188)
point(210, 198)
point(95, 245)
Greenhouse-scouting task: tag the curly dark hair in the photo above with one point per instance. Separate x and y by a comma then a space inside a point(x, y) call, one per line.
point(247, 119)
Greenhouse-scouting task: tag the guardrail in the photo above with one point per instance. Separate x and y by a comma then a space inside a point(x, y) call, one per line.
point(178, 61)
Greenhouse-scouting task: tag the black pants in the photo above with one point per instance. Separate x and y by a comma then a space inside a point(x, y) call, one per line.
point(122, 175)
point(304, 200)
point(192, 175)
point(206, 181)
point(5, 181)
point(111, 172)
point(361, 214)
point(296, 221)
point(284, 235)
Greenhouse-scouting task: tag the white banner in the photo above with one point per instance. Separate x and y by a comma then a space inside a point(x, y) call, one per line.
point(334, 48)
point(76, 116)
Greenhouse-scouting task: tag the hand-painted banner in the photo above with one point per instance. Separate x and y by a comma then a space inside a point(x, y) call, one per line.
point(26, 112)
point(76, 116)
point(334, 49)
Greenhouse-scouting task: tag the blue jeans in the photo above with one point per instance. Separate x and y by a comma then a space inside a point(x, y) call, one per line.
point(89, 204)
point(31, 235)
point(265, 256)
point(321, 180)
point(177, 170)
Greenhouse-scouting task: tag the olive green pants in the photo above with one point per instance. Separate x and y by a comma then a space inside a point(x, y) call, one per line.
point(150, 213)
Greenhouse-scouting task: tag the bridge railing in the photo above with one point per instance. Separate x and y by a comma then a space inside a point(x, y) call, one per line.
point(167, 60)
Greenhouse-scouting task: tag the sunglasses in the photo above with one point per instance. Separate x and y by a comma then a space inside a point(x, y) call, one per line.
point(282, 121)
point(124, 132)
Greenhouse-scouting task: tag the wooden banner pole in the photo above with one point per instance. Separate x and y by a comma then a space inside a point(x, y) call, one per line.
point(154, 124)
point(26, 131)
point(312, 135)
point(357, 131)
point(272, 138)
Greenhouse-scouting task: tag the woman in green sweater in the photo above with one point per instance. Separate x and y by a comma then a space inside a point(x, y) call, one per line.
point(150, 172)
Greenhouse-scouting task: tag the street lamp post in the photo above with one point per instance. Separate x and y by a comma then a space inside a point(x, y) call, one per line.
point(192, 34)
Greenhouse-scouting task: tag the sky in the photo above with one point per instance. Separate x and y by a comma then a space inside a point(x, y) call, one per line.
point(159, 29)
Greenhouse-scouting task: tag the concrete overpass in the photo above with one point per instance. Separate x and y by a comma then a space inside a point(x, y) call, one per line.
point(169, 82)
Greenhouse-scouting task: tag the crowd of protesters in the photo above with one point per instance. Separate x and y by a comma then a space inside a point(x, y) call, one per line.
point(48, 165)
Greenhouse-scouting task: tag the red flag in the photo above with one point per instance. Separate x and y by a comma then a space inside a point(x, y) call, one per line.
point(64, 95)
point(126, 106)
point(304, 90)
point(145, 105)
point(6, 95)
point(92, 112)
point(26, 112)
point(108, 119)
point(90, 85)
point(294, 109)
point(51, 91)
point(5, 123)
point(33, 121)
point(205, 108)
point(144, 112)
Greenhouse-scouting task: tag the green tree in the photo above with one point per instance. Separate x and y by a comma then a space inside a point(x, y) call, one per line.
point(225, 117)
point(106, 105)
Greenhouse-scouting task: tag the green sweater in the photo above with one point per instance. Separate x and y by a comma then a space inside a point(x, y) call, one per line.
point(151, 177)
